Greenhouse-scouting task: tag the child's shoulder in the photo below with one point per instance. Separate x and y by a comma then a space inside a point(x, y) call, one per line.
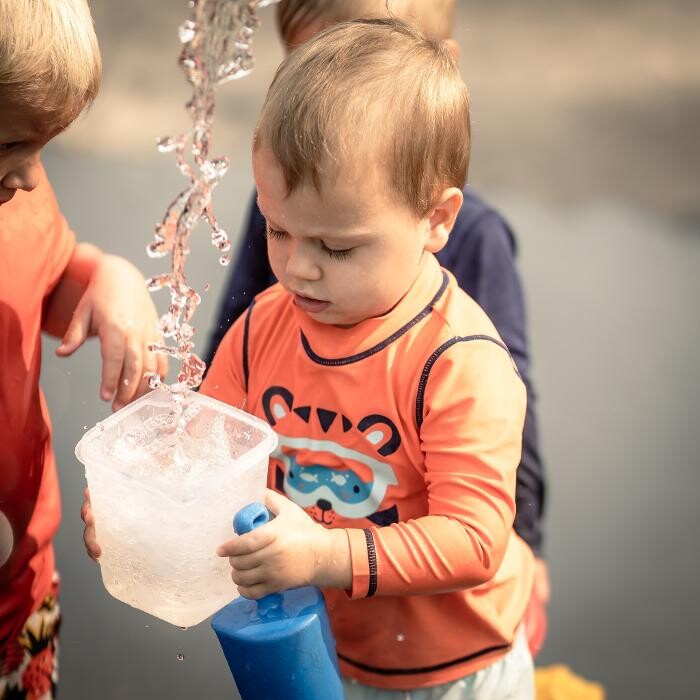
point(458, 315)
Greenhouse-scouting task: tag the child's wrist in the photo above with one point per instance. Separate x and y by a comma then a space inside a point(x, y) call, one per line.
point(333, 564)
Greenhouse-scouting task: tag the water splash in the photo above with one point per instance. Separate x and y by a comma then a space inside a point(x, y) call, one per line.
point(217, 48)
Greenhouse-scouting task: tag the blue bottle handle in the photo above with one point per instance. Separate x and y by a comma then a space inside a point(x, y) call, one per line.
point(248, 518)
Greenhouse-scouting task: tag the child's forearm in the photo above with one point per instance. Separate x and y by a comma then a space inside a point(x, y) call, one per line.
point(70, 288)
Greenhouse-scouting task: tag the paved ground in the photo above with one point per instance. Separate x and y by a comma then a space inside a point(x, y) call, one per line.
point(585, 121)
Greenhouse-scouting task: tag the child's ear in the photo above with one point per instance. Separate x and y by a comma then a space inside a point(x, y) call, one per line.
point(441, 218)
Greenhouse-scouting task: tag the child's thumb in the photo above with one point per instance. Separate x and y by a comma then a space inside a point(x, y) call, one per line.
point(76, 333)
point(275, 502)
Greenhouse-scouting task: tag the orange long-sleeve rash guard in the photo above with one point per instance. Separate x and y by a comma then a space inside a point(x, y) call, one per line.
point(405, 430)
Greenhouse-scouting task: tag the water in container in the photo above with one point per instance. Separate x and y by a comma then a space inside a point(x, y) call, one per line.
point(166, 477)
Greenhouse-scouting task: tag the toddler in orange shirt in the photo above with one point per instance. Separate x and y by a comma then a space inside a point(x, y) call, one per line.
point(398, 407)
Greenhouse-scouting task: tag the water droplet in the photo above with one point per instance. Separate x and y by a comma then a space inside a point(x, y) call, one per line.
point(153, 284)
point(207, 287)
point(400, 637)
point(187, 31)
point(166, 144)
point(215, 168)
point(85, 427)
point(156, 249)
point(220, 239)
point(224, 260)
point(180, 655)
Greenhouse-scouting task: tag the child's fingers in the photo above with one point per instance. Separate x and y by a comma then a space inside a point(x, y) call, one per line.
point(249, 543)
point(90, 540)
point(86, 513)
point(112, 351)
point(256, 591)
point(89, 535)
point(248, 579)
point(76, 333)
point(132, 371)
point(245, 562)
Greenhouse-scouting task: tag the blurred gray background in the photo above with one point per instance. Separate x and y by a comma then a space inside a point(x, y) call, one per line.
point(585, 136)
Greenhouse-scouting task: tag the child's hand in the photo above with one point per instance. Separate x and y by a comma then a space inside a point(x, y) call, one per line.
point(290, 551)
point(93, 549)
point(541, 583)
point(118, 309)
point(536, 613)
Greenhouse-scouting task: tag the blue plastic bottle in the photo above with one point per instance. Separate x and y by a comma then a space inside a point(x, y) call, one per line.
point(279, 647)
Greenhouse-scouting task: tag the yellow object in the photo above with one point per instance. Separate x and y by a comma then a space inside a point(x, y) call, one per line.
point(559, 683)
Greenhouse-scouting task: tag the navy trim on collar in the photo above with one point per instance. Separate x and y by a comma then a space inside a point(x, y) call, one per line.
point(246, 338)
point(328, 362)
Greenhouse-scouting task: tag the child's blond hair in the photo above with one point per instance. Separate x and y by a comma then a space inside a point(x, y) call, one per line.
point(49, 58)
point(433, 17)
point(370, 94)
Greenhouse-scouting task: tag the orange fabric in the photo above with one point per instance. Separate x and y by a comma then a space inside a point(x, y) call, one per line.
point(35, 247)
point(414, 451)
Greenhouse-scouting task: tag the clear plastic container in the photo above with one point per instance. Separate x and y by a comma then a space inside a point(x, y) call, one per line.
point(166, 478)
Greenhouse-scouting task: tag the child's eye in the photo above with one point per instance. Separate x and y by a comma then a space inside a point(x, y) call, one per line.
point(273, 232)
point(343, 254)
point(9, 146)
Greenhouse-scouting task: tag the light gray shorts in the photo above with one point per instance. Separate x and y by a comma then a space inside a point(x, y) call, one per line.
point(510, 678)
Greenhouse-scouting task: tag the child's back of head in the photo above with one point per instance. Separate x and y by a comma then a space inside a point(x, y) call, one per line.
point(50, 63)
point(298, 20)
point(371, 95)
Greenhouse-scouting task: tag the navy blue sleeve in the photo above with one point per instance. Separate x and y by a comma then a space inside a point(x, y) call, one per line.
point(250, 275)
point(481, 255)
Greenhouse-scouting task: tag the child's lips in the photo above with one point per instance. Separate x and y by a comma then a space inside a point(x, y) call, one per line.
point(312, 306)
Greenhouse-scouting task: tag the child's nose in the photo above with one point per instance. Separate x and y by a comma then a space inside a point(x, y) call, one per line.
point(24, 176)
point(300, 262)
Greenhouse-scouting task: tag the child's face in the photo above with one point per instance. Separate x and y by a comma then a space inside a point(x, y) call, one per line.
point(21, 141)
point(346, 255)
